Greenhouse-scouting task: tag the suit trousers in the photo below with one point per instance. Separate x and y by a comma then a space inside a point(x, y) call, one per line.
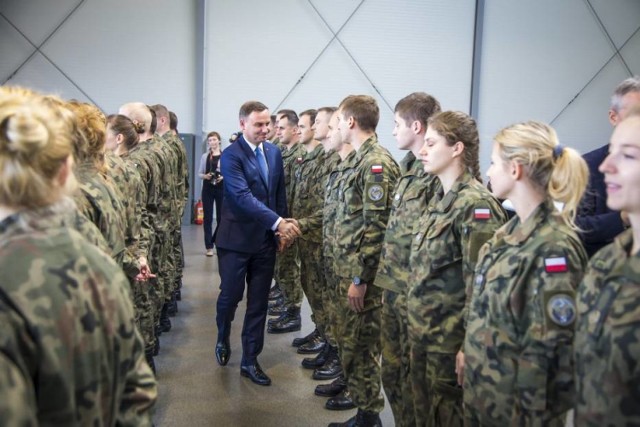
point(256, 270)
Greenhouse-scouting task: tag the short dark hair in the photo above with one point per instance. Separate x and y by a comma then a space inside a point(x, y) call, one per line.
point(251, 106)
point(328, 110)
point(364, 109)
point(291, 116)
point(214, 133)
point(161, 110)
point(311, 113)
point(173, 121)
point(418, 106)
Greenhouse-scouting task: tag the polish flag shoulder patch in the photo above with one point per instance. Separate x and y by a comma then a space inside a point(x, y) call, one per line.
point(555, 265)
point(376, 169)
point(299, 160)
point(481, 214)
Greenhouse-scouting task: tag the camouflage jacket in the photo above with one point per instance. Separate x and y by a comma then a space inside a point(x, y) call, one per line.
point(151, 152)
point(68, 327)
point(332, 198)
point(607, 341)
point(145, 161)
point(168, 167)
point(362, 214)
point(443, 256)
point(518, 344)
point(97, 200)
point(411, 196)
point(291, 158)
point(182, 168)
point(308, 195)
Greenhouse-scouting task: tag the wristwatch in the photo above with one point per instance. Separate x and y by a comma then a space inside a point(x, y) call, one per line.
point(357, 281)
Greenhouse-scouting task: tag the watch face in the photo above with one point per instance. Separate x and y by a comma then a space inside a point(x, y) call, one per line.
point(356, 281)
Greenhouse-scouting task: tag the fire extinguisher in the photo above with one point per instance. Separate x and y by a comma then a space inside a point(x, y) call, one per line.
point(199, 213)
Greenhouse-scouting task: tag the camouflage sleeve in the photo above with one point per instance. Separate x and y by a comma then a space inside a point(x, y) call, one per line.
point(315, 198)
point(481, 220)
point(542, 304)
point(140, 393)
point(17, 405)
point(377, 179)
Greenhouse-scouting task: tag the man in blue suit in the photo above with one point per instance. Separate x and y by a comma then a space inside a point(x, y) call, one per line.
point(252, 221)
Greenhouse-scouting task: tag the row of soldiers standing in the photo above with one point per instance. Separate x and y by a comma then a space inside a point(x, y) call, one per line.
point(133, 185)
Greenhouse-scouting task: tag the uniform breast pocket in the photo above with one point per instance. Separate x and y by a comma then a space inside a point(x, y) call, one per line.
point(352, 197)
point(442, 247)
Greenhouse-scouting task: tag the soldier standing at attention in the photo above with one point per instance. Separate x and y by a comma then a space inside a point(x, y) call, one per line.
point(361, 218)
point(517, 366)
point(287, 270)
point(607, 342)
point(411, 196)
point(306, 206)
point(458, 220)
point(69, 342)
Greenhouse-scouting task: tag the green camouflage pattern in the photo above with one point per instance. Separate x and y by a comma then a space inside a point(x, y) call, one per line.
point(287, 268)
point(607, 338)
point(18, 403)
point(443, 256)
point(97, 200)
point(411, 196)
point(364, 203)
point(362, 214)
point(68, 327)
point(334, 168)
point(518, 346)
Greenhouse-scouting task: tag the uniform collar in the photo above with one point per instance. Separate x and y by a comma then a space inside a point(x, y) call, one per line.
point(630, 265)
point(445, 201)
point(516, 233)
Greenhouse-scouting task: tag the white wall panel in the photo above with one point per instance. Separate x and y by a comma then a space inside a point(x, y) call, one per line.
point(537, 57)
point(14, 49)
point(620, 17)
point(401, 46)
point(115, 52)
point(37, 19)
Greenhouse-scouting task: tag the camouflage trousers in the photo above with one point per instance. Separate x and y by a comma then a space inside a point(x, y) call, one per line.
point(396, 358)
point(287, 275)
point(329, 302)
point(312, 279)
point(160, 267)
point(358, 336)
point(174, 261)
point(473, 419)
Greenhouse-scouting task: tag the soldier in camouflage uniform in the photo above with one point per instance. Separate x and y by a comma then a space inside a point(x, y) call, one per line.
point(287, 270)
point(178, 155)
point(97, 199)
point(121, 137)
point(518, 344)
point(149, 165)
point(458, 220)
point(411, 196)
point(69, 342)
point(365, 190)
point(607, 337)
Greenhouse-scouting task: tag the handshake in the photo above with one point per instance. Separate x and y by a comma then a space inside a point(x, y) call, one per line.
point(287, 231)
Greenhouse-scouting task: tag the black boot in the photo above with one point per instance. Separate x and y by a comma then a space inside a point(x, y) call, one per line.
point(316, 345)
point(320, 359)
point(361, 419)
point(341, 402)
point(331, 369)
point(332, 389)
point(284, 315)
point(178, 295)
point(277, 309)
point(156, 346)
point(275, 292)
point(172, 308)
point(291, 323)
point(148, 354)
point(165, 321)
point(297, 342)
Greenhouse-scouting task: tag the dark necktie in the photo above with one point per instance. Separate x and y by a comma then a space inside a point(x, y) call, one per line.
point(262, 163)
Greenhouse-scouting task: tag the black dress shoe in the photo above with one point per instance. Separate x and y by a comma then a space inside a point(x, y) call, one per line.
point(297, 342)
point(330, 370)
point(333, 389)
point(361, 419)
point(314, 346)
point(254, 373)
point(223, 352)
point(341, 402)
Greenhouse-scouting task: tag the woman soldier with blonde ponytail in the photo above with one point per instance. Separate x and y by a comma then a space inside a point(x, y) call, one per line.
point(517, 352)
point(66, 314)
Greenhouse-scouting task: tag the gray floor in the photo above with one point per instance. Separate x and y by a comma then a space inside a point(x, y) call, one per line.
point(194, 391)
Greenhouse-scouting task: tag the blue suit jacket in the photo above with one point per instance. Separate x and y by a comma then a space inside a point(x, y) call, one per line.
point(250, 207)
